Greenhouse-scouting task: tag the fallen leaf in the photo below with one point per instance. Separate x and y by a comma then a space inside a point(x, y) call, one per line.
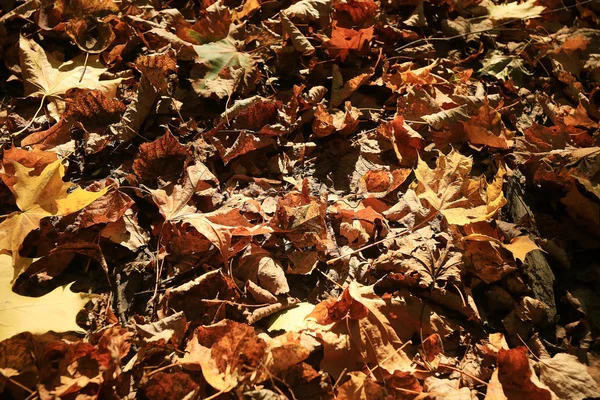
point(445, 189)
point(55, 311)
point(520, 246)
point(343, 41)
point(224, 68)
point(162, 158)
point(517, 377)
point(47, 77)
point(39, 197)
point(522, 11)
point(225, 352)
point(567, 377)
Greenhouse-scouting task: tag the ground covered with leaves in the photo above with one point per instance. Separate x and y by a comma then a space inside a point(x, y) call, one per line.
point(300, 200)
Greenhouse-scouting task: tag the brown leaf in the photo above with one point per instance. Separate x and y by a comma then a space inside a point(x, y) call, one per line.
point(162, 158)
point(90, 35)
point(487, 129)
point(189, 296)
point(355, 14)
point(87, 109)
point(379, 183)
point(567, 377)
point(170, 385)
point(228, 354)
point(324, 123)
point(517, 377)
point(108, 208)
point(407, 143)
point(231, 145)
point(360, 313)
point(343, 41)
point(156, 69)
point(271, 276)
point(361, 387)
point(341, 90)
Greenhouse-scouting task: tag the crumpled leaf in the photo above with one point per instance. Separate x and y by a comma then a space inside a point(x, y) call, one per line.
point(55, 311)
point(224, 352)
point(567, 377)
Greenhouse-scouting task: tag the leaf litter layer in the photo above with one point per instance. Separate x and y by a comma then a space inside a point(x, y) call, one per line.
point(300, 200)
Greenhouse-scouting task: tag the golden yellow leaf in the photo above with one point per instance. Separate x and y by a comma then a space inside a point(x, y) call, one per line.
point(38, 197)
point(449, 189)
point(520, 246)
point(55, 311)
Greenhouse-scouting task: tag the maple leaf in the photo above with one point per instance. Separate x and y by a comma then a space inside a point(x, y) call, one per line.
point(447, 188)
point(224, 67)
point(55, 311)
point(225, 352)
point(358, 315)
point(520, 246)
point(505, 67)
point(345, 40)
point(47, 77)
point(39, 197)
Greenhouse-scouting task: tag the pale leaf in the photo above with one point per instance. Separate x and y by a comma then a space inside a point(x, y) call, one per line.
point(56, 311)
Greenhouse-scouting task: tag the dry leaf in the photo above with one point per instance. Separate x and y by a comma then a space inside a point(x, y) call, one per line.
point(515, 10)
point(520, 246)
point(55, 311)
point(39, 197)
point(47, 77)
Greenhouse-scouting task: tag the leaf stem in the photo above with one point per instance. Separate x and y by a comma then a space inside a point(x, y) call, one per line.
point(32, 118)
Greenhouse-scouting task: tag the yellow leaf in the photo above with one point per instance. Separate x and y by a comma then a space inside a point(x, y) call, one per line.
point(38, 197)
point(45, 76)
point(449, 189)
point(292, 319)
point(55, 311)
point(520, 246)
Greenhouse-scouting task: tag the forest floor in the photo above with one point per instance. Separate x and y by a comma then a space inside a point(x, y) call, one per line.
point(268, 199)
